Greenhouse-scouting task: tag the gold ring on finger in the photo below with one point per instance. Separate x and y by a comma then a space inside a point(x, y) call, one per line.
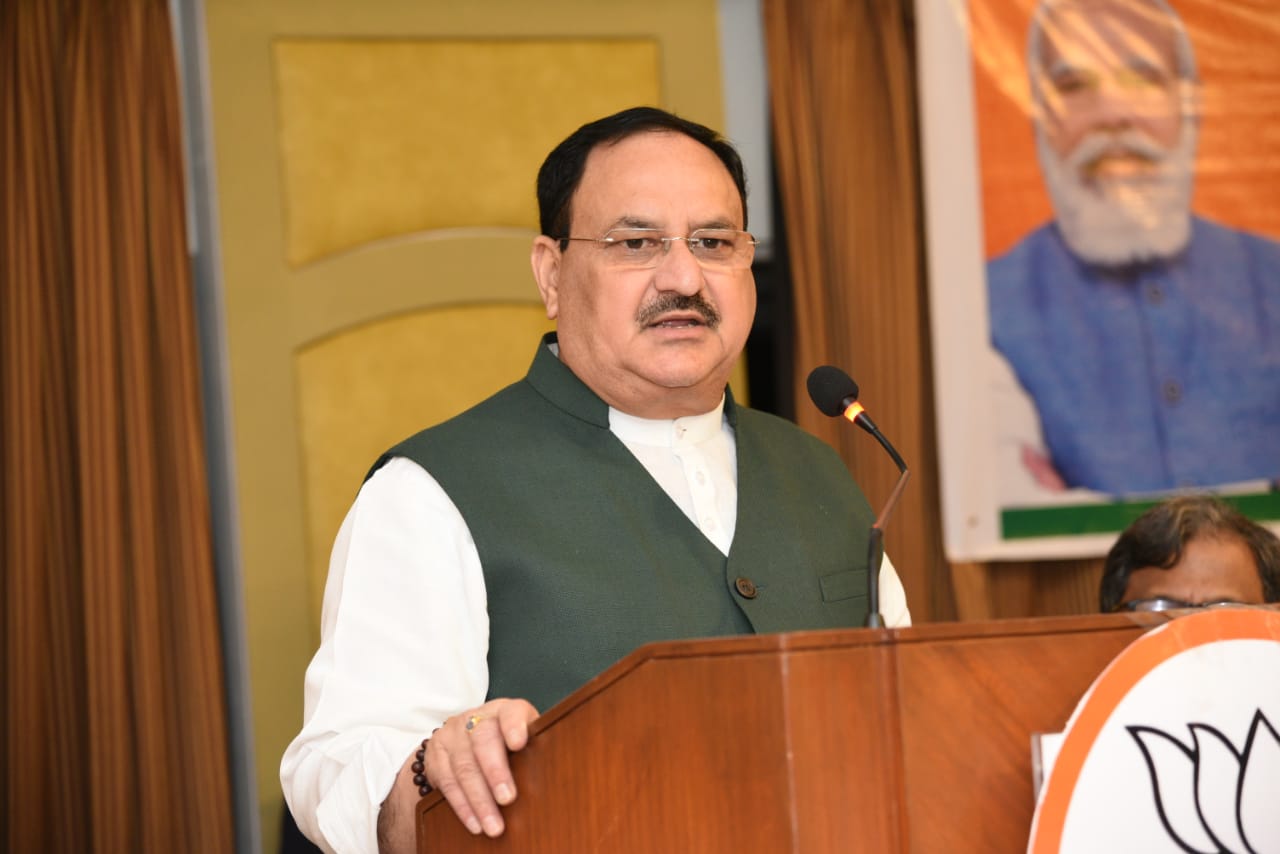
point(472, 721)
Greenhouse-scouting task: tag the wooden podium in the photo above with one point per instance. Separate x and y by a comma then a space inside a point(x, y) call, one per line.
point(877, 740)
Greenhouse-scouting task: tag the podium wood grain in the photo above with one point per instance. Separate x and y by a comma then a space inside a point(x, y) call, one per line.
point(879, 740)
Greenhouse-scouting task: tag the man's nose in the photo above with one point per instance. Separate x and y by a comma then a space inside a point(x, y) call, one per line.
point(678, 270)
point(1114, 109)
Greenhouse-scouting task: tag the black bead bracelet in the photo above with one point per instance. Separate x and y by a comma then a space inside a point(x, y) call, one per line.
point(419, 767)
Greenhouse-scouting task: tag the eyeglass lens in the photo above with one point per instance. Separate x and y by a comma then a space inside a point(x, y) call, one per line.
point(1162, 604)
point(646, 247)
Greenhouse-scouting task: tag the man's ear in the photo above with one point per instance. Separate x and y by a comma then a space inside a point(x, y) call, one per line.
point(545, 259)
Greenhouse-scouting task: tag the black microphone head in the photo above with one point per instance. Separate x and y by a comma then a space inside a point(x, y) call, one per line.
point(831, 389)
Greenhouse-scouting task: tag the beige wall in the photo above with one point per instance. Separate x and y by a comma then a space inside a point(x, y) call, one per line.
point(375, 165)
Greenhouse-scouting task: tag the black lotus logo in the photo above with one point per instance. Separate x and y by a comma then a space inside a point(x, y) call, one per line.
point(1193, 783)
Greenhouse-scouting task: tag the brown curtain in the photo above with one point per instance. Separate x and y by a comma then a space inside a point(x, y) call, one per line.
point(845, 139)
point(114, 707)
point(842, 75)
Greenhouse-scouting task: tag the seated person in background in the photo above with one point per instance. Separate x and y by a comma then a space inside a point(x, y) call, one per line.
point(616, 495)
point(1188, 552)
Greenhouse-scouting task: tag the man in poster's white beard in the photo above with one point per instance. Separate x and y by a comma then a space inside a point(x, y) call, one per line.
point(1112, 219)
point(1147, 337)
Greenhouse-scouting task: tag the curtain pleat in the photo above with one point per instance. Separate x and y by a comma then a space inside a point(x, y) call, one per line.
point(43, 634)
point(115, 721)
point(842, 81)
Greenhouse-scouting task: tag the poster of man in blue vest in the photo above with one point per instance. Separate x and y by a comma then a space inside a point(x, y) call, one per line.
point(1148, 336)
point(1129, 214)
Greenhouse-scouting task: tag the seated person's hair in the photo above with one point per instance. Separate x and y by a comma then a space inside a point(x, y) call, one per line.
point(1158, 536)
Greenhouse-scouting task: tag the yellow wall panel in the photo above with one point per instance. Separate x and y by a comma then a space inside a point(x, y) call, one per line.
point(380, 137)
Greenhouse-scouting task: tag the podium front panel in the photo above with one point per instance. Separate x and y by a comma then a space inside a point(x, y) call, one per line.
point(879, 740)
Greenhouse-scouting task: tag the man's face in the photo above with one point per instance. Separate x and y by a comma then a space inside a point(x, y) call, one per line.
point(1109, 68)
point(1212, 569)
point(659, 342)
point(1116, 150)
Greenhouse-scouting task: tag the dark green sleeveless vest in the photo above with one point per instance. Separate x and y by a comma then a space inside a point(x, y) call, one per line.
point(585, 557)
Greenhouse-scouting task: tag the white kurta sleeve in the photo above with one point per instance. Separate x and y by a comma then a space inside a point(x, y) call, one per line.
point(893, 599)
point(404, 638)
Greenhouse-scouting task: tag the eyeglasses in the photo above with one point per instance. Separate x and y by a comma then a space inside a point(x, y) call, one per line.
point(1160, 603)
point(644, 248)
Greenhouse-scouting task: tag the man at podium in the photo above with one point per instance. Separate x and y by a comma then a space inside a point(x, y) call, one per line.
point(617, 495)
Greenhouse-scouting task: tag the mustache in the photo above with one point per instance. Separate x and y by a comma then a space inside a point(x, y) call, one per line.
point(679, 302)
point(1095, 145)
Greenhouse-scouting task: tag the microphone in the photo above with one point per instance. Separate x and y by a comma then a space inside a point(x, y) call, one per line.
point(836, 394)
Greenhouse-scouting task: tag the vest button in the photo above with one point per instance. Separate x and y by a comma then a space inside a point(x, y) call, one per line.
point(746, 588)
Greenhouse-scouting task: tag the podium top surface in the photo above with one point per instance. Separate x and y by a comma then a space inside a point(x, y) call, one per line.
point(802, 641)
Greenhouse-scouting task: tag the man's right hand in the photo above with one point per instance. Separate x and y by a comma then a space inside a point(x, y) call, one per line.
point(1041, 469)
point(466, 760)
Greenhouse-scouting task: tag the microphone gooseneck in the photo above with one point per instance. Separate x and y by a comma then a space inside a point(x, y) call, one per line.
point(836, 394)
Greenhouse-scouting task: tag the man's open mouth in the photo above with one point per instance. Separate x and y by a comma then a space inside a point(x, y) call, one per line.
point(681, 322)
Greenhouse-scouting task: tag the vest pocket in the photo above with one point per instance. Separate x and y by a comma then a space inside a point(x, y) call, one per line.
point(844, 585)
